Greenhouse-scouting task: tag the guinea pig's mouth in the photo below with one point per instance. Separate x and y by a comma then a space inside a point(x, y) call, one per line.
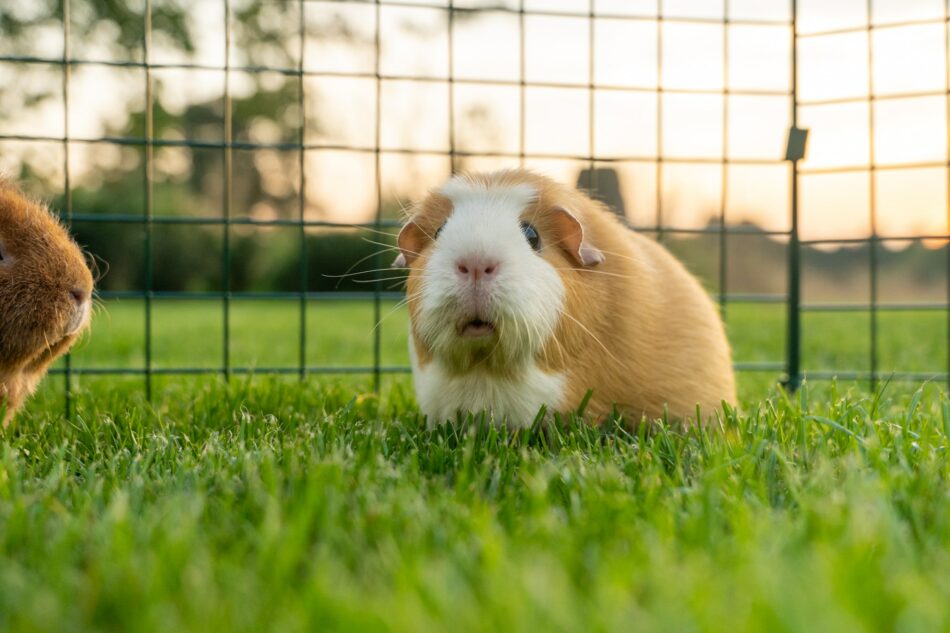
point(476, 328)
point(50, 351)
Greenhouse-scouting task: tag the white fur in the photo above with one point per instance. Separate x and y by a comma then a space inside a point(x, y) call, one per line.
point(524, 300)
point(511, 402)
point(80, 318)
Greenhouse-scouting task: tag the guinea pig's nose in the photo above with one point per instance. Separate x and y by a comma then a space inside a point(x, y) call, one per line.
point(79, 295)
point(474, 268)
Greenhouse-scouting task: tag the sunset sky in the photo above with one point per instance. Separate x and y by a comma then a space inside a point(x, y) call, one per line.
point(909, 60)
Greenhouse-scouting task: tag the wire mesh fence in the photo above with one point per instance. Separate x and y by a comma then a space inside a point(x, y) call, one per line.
point(695, 122)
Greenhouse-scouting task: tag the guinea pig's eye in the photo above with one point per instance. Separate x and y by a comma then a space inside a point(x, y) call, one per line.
point(438, 232)
point(531, 234)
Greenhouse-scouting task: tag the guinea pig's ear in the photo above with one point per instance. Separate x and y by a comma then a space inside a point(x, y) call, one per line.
point(410, 243)
point(573, 240)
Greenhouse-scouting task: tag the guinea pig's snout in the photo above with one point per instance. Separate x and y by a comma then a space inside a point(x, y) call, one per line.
point(475, 269)
point(79, 295)
point(82, 308)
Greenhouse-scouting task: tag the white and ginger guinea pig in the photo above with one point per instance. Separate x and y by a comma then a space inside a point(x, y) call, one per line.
point(525, 293)
point(45, 295)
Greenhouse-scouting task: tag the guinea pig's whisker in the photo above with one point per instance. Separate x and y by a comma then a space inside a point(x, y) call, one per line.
point(589, 333)
point(376, 254)
point(553, 336)
point(620, 255)
point(522, 322)
point(360, 272)
point(396, 308)
point(49, 346)
point(405, 302)
point(423, 231)
point(611, 253)
point(363, 259)
point(616, 254)
point(405, 209)
point(533, 331)
point(92, 261)
point(388, 247)
point(491, 353)
point(82, 336)
point(93, 266)
point(353, 276)
point(382, 279)
point(370, 229)
point(401, 304)
point(99, 308)
point(604, 272)
point(557, 342)
point(535, 336)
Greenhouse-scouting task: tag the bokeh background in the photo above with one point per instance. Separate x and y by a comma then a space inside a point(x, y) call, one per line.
point(238, 167)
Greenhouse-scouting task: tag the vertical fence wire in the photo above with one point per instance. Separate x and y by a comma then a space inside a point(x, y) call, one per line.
point(522, 84)
point(377, 225)
point(450, 60)
point(591, 101)
point(872, 200)
point(227, 155)
point(946, 243)
point(658, 183)
point(724, 176)
point(67, 190)
point(149, 211)
point(302, 195)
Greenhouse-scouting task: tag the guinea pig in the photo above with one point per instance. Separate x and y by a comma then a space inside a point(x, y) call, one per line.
point(45, 295)
point(525, 293)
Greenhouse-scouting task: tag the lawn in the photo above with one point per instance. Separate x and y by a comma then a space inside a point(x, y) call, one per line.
point(276, 504)
point(340, 334)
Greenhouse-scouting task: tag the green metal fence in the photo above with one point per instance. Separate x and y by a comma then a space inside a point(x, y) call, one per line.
point(793, 366)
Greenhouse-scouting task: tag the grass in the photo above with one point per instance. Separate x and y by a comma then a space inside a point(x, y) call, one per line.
point(274, 504)
point(265, 334)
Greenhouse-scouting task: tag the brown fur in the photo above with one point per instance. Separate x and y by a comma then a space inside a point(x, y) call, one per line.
point(42, 266)
point(637, 329)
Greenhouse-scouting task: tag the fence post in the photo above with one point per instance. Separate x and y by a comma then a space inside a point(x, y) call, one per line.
point(794, 152)
point(793, 349)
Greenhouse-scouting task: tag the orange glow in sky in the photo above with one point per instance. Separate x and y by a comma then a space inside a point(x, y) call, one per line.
point(564, 124)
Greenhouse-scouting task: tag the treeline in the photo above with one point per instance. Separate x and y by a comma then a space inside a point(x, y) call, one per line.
point(193, 258)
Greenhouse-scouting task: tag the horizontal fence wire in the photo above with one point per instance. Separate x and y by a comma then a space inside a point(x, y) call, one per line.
point(770, 367)
point(323, 295)
point(661, 229)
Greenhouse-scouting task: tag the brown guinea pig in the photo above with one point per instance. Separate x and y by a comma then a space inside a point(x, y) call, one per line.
point(525, 293)
point(45, 295)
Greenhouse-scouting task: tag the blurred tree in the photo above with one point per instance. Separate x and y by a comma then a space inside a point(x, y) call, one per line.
point(20, 21)
point(265, 181)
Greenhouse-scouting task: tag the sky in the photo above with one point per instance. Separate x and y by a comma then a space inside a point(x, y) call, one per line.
point(630, 58)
